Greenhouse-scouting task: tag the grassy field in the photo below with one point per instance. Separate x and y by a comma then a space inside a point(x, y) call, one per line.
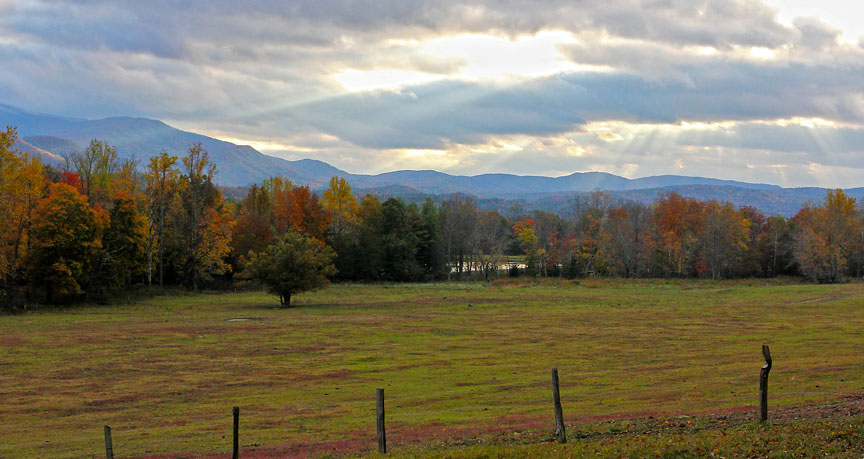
point(460, 364)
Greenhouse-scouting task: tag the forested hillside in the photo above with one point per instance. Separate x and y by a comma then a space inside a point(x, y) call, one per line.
point(101, 225)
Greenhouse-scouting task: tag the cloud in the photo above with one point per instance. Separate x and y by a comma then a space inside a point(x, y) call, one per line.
point(93, 26)
point(289, 51)
point(435, 115)
point(268, 70)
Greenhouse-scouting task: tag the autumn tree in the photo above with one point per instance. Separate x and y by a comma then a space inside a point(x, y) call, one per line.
point(95, 166)
point(280, 192)
point(752, 261)
point(21, 187)
point(126, 181)
point(770, 248)
point(678, 221)
point(588, 218)
point(523, 229)
point(9, 164)
point(296, 208)
point(627, 242)
point(307, 215)
point(723, 238)
point(843, 229)
point(253, 229)
point(162, 182)
point(294, 263)
point(66, 242)
point(203, 225)
point(825, 237)
point(549, 229)
point(341, 205)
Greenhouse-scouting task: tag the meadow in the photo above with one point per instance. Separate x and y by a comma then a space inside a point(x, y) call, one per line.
point(465, 368)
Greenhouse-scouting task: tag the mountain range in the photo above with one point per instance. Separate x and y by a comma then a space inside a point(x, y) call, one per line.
point(55, 137)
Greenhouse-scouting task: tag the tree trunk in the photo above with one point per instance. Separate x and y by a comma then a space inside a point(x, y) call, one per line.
point(285, 301)
point(774, 268)
point(149, 266)
point(449, 260)
point(161, 252)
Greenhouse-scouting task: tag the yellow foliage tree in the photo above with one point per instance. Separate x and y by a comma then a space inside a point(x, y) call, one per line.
point(22, 185)
point(161, 180)
point(341, 204)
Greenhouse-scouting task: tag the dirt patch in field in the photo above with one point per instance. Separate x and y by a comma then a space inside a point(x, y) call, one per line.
point(540, 429)
point(10, 341)
point(495, 300)
point(340, 374)
point(849, 406)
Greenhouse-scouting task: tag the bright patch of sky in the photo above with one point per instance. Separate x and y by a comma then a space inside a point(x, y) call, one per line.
point(846, 15)
point(483, 57)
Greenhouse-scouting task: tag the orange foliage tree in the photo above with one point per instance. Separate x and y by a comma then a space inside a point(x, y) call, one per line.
point(678, 220)
point(22, 185)
point(66, 241)
point(826, 236)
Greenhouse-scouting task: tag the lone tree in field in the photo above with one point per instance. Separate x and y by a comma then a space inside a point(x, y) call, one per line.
point(294, 263)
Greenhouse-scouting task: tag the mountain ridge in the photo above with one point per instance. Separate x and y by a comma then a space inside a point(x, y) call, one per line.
point(54, 137)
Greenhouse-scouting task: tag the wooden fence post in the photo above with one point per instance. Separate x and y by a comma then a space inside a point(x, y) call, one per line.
point(560, 434)
point(382, 436)
point(236, 412)
point(109, 446)
point(763, 384)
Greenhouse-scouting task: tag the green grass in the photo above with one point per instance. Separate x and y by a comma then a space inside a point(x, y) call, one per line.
point(456, 361)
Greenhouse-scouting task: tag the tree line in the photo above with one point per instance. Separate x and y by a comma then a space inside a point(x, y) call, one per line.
point(103, 225)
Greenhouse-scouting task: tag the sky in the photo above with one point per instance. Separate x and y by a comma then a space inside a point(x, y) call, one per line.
point(764, 91)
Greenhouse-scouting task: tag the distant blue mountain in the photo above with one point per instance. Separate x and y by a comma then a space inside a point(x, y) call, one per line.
point(142, 138)
point(241, 165)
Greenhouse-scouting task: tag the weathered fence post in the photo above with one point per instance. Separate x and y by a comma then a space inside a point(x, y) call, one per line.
point(382, 436)
point(763, 384)
point(109, 446)
point(236, 412)
point(560, 434)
